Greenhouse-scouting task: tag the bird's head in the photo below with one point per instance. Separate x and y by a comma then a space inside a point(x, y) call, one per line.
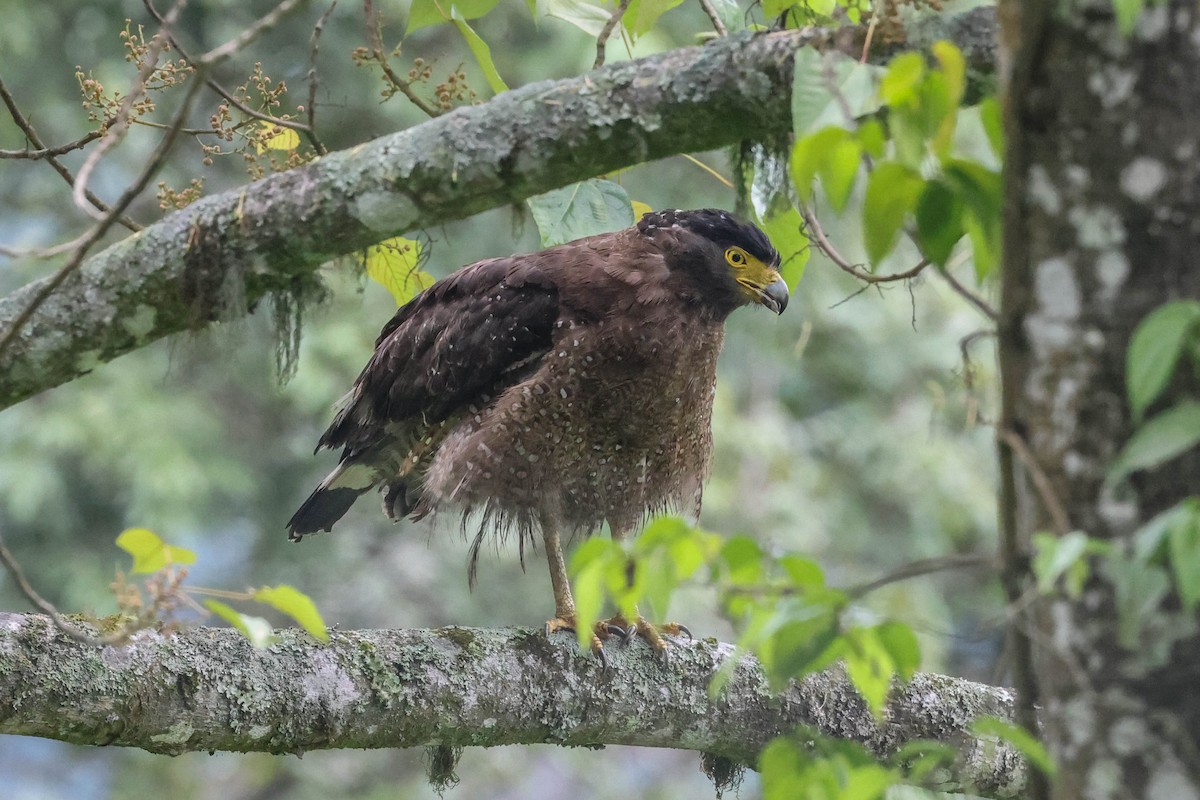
point(728, 262)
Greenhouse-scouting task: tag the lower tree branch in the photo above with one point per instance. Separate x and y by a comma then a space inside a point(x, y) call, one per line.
point(209, 689)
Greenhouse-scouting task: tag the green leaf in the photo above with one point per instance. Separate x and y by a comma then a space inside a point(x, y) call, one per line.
point(809, 153)
point(1024, 742)
point(1160, 439)
point(431, 12)
point(954, 67)
point(800, 647)
point(813, 104)
point(869, 667)
point(980, 191)
point(782, 766)
point(256, 629)
point(1056, 555)
point(591, 564)
point(582, 209)
point(1183, 544)
point(902, 647)
point(647, 13)
point(743, 560)
point(993, 124)
point(1140, 589)
point(802, 572)
point(900, 83)
point(395, 265)
point(1128, 12)
point(939, 222)
point(1155, 349)
point(872, 138)
point(892, 193)
point(150, 553)
point(839, 169)
point(775, 8)
point(483, 53)
point(785, 228)
point(297, 605)
point(589, 18)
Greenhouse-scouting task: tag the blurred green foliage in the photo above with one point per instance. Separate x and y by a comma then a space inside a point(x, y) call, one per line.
point(844, 430)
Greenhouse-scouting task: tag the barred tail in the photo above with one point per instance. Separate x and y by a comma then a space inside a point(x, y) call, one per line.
point(332, 499)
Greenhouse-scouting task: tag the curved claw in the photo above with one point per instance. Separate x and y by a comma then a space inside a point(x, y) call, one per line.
point(674, 629)
point(615, 630)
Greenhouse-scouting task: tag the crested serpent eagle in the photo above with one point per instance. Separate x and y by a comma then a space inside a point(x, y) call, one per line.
point(554, 391)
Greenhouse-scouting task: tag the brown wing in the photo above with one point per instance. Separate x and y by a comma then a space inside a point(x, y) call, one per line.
point(455, 344)
point(459, 343)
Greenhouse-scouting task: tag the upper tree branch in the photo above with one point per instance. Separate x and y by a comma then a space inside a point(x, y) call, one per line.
point(209, 689)
point(180, 273)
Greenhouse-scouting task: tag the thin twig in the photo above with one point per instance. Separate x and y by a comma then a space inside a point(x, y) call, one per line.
point(46, 152)
point(264, 24)
point(97, 232)
point(964, 347)
point(45, 606)
point(925, 566)
point(711, 11)
point(32, 135)
point(707, 169)
point(116, 130)
point(606, 31)
point(866, 49)
point(42, 252)
point(404, 87)
point(1041, 481)
point(982, 305)
point(825, 246)
point(228, 96)
point(311, 110)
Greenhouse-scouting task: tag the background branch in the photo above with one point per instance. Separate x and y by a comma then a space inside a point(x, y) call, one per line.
point(180, 273)
point(456, 686)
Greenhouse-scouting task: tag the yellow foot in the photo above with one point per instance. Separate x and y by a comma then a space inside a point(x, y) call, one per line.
point(601, 632)
point(650, 632)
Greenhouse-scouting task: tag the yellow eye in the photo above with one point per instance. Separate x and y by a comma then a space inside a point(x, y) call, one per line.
point(736, 257)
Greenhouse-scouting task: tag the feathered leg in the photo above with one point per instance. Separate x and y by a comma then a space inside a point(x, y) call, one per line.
point(564, 601)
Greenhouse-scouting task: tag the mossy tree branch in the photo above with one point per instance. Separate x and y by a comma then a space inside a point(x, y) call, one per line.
point(219, 257)
point(209, 689)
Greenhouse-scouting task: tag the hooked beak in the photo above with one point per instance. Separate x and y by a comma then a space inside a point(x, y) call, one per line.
point(774, 295)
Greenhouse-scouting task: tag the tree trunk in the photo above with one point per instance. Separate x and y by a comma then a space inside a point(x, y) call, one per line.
point(1102, 212)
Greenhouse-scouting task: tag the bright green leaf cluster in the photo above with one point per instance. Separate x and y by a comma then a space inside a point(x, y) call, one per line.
point(789, 618)
point(915, 182)
point(646, 571)
point(150, 553)
point(821, 768)
point(1163, 555)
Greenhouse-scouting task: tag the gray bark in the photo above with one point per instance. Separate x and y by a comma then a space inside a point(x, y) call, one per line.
point(209, 689)
point(1101, 221)
point(219, 257)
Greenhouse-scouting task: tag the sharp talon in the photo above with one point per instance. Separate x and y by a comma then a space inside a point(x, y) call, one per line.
point(684, 630)
point(603, 659)
point(616, 630)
